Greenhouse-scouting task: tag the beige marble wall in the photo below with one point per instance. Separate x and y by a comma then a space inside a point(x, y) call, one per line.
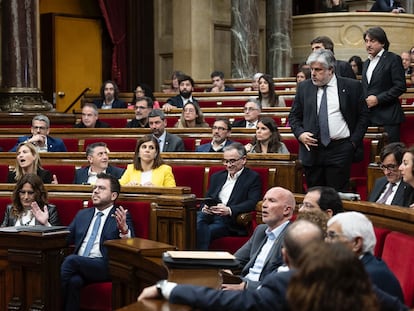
point(346, 30)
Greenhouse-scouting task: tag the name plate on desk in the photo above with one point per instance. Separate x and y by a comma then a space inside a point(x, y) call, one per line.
point(191, 259)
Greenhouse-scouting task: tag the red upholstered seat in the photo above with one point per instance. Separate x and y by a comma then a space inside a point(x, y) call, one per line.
point(4, 171)
point(4, 201)
point(115, 144)
point(67, 209)
point(115, 122)
point(380, 234)
point(72, 144)
point(65, 174)
point(407, 130)
point(190, 176)
point(292, 145)
point(189, 144)
point(398, 253)
point(7, 143)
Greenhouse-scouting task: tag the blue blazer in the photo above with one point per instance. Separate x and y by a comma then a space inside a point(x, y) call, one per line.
point(246, 193)
point(382, 276)
point(303, 115)
point(81, 174)
point(53, 144)
point(207, 147)
point(116, 104)
point(248, 253)
point(80, 224)
point(401, 197)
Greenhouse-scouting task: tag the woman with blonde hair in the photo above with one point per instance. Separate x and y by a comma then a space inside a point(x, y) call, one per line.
point(28, 161)
point(148, 168)
point(191, 116)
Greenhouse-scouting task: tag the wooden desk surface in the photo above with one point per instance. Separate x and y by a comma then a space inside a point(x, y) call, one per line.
point(155, 305)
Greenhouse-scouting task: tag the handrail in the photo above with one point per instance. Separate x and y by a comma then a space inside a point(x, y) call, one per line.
point(77, 98)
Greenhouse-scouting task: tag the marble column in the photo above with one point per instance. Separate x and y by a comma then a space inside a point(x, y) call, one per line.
point(244, 38)
point(19, 30)
point(278, 38)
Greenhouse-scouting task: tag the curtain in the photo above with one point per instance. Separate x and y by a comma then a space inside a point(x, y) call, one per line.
point(114, 13)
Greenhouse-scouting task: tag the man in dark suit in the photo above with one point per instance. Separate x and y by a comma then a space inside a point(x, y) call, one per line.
point(221, 131)
point(109, 96)
point(186, 87)
point(342, 68)
point(168, 142)
point(400, 192)
point(90, 118)
point(383, 81)
point(256, 258)
point(232, 191)
point(89, 230)
point(271, 295)
point(328, 144)
point(143, 106)
point(387, 6)
point(356, 231)
point(252, 109)
point(40, 137)
point(97, 156)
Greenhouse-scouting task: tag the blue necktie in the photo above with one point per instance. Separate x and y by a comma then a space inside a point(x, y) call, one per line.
point(325, 137)
point(94, 233)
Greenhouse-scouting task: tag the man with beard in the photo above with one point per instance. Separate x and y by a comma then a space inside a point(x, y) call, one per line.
point(168, 142)
point(90, 228)
point(186, 87)
point(221, 131)
point(109, 94)
point(143, 106)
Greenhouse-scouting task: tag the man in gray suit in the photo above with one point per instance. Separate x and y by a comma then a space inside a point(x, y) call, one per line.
point(168, 142)
point(262, 254)
point(391, 189)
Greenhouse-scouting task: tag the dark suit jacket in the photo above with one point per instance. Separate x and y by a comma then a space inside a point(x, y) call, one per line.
point(248, 253)
point(207, 147)
point(303, 116)
point(244, 197)
point(81, 174)
point(239, 123)
point(173, 143)
point(80, 224)
point(45, 175)
point(382, 276)
point(177, 101)
point(344, 69)
point(53, 144)
point(116, 104)
point(98, 124)
point(9, 220)
point(384, 6)
point(387, 83)
point(401, 196)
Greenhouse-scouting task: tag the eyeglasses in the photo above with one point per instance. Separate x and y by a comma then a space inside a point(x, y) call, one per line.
point(22, 192)
point(390, 167)
point(39, 128)
point(306, 205)
point(220, 128)
point(231, 161)
point(248, 109)
point(140, 107)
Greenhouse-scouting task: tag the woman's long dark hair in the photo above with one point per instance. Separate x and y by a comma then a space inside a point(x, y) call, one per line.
point(274, 141)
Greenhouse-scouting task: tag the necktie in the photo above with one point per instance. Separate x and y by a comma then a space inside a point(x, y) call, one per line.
point(323, 120)
point(386, 194)
point(94, 233)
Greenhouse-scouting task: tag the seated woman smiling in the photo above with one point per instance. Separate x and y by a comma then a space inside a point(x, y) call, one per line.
point(148, 168)
point(267, 138)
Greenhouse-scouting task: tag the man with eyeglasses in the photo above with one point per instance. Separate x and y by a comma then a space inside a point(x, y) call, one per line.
point(232, 191)
point(252, 109)
point(356, 231)
point(143, 106)
point(322, 198)
point(391, 189)
point(221, 131)
point(40, 137)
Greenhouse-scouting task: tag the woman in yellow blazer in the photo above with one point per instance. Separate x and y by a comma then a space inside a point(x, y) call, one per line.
point(148, 168)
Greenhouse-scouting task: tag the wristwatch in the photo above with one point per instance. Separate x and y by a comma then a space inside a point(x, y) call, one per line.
point(159, 286)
